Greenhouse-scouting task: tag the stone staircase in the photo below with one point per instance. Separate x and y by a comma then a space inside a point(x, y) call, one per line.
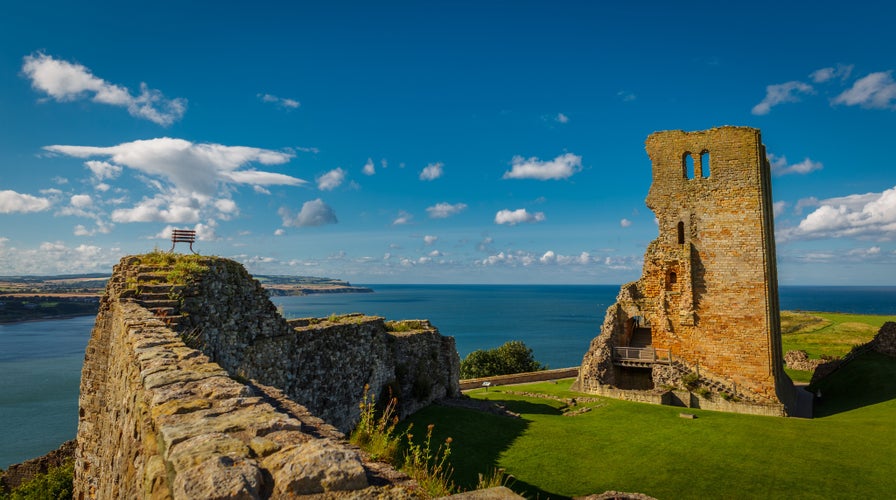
point(148, 286)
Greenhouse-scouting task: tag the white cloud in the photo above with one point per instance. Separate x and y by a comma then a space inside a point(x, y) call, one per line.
point(781, 167)
point(431, 172)
point(822, 75)
point(279, 101)
point(548, 257)
point(331, 180)
point(279, 232)
point(189, 177)
point(402, 219)
point(313, 213)
point(625, 223)
point(561, 167)
point(188, 166)
point(103, 170)
point(13, 202)
point(445, 210)
point(626, 95)
point(369, 167)
point(429, 239)
point(561, 118)
point(875, 91)
point(870, 215)
point(782, 92)
point(65, 81)
point(81, 201)
point(514, 217)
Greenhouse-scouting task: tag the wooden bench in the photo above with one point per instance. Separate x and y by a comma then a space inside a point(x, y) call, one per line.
point(182, 236)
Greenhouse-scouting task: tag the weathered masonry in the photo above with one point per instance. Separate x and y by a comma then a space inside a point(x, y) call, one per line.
point(704, 316)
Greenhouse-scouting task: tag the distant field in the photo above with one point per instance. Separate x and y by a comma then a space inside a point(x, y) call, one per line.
point(826, 334)
point(849, 452)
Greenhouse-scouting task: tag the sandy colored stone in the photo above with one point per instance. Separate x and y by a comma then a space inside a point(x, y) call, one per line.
point(315, 467)
point(220, 477)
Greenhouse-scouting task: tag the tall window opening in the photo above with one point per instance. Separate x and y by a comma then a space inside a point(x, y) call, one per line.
point(671, 280)
point(681, 233)
point(687, 165)
point(704, 164)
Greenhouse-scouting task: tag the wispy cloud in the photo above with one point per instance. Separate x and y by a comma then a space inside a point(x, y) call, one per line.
point(626, 95)
point(313, 213)
point(781, 167)
point(431, 172)
point(331, 180)
point(282, 102)
point(625, 223)
point(518, 216)
point(841, 71)
point(402, 219)
point(781, 93)
point(430, 239)
point(13, 202)
point(445, 210)
point(561, 167)
point(64, 81)
point(561, 118)
point(874, 91)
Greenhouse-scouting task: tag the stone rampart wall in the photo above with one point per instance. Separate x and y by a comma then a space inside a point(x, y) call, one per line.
point(173, 405)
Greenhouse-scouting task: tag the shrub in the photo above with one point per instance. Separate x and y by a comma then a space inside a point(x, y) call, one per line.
point(512, 357)
point(55, 484)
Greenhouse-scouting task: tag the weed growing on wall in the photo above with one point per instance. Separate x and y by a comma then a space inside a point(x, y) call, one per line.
point(376, 434)
point(55, 483)
point(430, 468)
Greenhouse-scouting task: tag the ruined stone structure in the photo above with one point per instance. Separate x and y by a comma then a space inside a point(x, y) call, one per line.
point(705, 310)
point(174, 401)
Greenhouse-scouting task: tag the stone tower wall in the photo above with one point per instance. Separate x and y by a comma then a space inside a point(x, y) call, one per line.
point(723, 308)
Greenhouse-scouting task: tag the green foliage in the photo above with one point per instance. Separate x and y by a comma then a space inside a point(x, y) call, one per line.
point(512, 357)
point(493, 480)
point(374, 433)
point(56, 484)
point(430, 468)
point(691, 381)
point(404, 326)
point(183, 266)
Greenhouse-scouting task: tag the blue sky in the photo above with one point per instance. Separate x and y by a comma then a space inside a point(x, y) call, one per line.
point(432, 142)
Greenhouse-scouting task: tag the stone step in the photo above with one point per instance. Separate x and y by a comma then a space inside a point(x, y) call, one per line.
point(156, 277)
point(163, 303)
point(164, 312)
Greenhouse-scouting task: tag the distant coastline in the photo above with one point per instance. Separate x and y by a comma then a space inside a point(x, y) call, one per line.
point(41, 298)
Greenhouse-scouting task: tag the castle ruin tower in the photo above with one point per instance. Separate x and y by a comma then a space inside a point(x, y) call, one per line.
point(707, 299)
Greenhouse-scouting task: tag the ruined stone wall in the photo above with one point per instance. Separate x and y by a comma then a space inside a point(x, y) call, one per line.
point(321, 364)
point(160, 418)
point(708, 290)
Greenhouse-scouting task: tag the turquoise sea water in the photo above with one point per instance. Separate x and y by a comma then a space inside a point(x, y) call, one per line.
point(40, 362)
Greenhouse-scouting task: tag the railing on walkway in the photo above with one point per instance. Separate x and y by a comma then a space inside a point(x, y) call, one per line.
point(639, 355)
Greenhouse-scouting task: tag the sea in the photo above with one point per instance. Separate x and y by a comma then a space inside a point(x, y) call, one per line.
point(40, 361)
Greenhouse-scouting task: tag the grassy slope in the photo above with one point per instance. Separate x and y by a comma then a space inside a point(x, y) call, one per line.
point(831, 334)
point(849, 452)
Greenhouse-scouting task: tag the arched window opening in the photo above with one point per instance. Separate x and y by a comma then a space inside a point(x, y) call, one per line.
point(681, 233)
point(687, 165)
point(704, 164)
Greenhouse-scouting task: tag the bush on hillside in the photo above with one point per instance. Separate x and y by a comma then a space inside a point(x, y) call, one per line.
point(512, 357)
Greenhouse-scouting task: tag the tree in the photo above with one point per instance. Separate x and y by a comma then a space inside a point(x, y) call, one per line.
point(512, 357)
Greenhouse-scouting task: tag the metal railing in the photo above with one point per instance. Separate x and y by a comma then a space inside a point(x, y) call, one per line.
point(642, 354)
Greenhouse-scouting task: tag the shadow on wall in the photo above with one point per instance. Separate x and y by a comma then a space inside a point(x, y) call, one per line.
point(866, 381)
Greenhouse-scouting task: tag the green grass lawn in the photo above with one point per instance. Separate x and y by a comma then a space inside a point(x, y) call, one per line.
point(832, 334)
point(849, 452)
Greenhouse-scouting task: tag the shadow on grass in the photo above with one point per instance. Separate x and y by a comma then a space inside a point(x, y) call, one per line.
point(479, 439)
point(866, 381)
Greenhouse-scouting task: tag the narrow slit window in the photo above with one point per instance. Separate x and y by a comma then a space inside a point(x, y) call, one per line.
point(681, 233)
point(671, 280)
point(687, 164)
point(704, 164)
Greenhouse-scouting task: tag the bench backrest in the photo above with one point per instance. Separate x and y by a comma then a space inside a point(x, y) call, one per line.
point(183, 235)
